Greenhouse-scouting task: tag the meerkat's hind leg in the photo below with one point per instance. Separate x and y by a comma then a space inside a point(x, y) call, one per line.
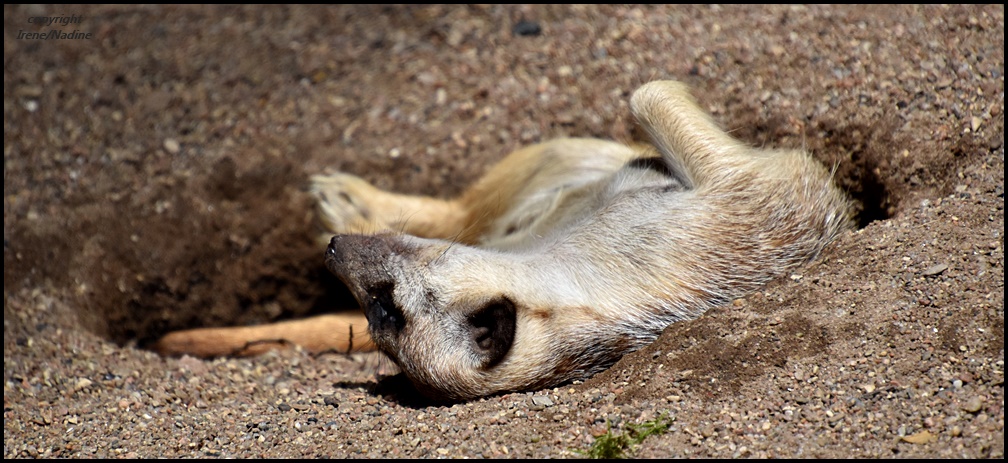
point(344, 332)
point(788, 185)
point(696, 148)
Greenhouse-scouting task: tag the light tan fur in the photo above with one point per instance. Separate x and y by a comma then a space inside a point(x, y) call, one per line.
point(567, 254)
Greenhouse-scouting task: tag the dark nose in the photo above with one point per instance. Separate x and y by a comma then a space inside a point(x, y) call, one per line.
point(333, 244)
point(339, 243)
point(357, 251)
point(351, 254)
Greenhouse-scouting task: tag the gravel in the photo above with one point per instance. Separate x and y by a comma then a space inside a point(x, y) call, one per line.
point(154, 179)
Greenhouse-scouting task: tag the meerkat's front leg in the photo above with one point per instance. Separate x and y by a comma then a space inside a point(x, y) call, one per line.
point(349, 204)
point(519, 190)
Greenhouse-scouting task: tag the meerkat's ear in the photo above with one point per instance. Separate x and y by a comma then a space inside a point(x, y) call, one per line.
point(492, 328)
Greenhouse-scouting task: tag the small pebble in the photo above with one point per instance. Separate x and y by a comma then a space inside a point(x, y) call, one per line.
point(543, 400)
point(935, 270)
point(973, 405)
point(172, 146)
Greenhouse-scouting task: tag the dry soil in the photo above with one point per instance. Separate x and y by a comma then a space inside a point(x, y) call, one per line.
point(155, 169)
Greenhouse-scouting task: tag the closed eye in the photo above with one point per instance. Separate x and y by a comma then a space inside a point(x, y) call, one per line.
point(382, 311)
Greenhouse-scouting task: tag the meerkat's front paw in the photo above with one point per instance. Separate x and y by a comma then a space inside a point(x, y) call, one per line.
point(348, 204)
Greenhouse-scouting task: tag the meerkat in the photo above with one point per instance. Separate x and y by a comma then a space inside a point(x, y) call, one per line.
point(563, 257)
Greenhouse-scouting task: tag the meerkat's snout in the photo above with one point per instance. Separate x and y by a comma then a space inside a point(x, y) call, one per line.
point(360, 261)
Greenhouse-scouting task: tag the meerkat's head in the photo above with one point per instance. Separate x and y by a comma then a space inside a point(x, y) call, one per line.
point(455, 318)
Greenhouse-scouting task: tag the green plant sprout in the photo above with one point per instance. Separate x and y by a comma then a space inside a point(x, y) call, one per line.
point(611, 445)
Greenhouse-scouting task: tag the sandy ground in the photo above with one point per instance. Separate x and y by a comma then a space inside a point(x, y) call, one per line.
point(155, 178)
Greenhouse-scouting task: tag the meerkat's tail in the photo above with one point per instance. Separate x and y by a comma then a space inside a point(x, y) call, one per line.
point(341, 333)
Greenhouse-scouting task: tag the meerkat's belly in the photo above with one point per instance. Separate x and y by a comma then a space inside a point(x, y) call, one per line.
point(542, 218)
